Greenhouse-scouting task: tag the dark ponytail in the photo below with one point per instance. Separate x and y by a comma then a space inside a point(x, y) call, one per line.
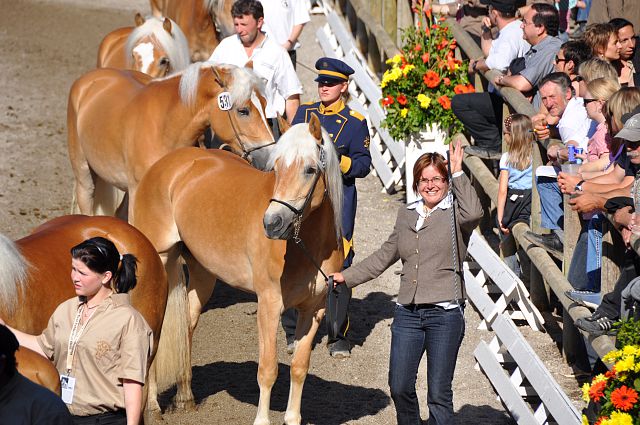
point(101, 255)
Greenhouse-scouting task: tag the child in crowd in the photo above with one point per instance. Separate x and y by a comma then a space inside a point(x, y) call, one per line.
point(514, 190)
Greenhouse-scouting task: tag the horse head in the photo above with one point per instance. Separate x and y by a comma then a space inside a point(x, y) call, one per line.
point(307, 172)
point(157, 47)
point(235, 108)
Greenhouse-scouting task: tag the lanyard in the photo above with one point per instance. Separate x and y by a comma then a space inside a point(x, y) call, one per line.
point(75, 336)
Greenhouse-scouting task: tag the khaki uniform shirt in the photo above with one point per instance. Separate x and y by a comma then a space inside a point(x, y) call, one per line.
point(115, 345)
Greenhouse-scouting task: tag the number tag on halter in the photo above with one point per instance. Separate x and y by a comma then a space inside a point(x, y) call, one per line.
point(68, 385)
point(224, 101)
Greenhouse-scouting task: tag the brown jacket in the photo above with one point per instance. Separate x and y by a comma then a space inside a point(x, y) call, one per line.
point(427, 262)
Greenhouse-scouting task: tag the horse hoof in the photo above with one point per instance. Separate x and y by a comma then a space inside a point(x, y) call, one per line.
point(153, 417)
point(292, 419)
point(184, 405)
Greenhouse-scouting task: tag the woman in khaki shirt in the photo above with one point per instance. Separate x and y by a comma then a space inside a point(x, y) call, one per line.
point(98, 342)
point(429, 312)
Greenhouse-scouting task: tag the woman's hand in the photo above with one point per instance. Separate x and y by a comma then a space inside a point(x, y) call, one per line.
point(568, 182)
point(622, 217)
point(456, 154)
point(337, 279)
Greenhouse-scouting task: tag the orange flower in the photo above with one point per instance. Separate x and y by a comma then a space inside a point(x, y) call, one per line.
point(428, 13)
point(445, 102)
point(417, 48)
point(611, 373)
point(597, 390)
point(453, 45)
point(446, 81)
point(470, 88)
point(443, 43)
point(402, 99)
point(624, 398)
point(386, 101)
point(460, 89)
point(601, 419)
point(425, 57)
point(427, 31)
point(431, 79)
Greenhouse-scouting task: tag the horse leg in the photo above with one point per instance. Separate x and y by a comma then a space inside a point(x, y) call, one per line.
point(201, 285)
point(306, 328)
point(269, 308)
point(152, 412)
point(173, 359)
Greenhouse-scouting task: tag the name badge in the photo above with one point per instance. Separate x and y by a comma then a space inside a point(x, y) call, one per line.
point(224, 101)
point(514, 197)
point(68, 385)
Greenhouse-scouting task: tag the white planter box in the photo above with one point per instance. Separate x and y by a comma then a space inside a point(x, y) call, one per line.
point(430, 140)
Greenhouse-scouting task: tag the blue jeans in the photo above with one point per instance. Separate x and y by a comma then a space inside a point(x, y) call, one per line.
point(583, 14)
point(552, 209)
point(594, 252)
point(439, 332)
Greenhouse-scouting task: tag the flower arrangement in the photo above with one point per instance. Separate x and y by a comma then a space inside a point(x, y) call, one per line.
point(418, 87)
point(615, 393)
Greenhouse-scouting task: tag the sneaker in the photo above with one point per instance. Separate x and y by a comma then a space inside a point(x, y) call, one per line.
point(485, 153)
point(551, 243)
point(341, 349)
point(597, 324)
point(587, 299)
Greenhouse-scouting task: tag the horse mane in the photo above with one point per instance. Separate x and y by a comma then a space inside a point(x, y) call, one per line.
point(213, 6)
point(244, 82)
point(297, 144)
point(175, 45)
point(13, 275)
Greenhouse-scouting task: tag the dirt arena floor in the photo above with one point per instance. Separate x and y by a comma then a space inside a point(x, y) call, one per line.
point(45, 46)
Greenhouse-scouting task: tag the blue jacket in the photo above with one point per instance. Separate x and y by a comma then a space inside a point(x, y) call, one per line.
point(349, 132)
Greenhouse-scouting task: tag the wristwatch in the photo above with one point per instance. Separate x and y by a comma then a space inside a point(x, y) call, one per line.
point(578, 187)
point(474, 64)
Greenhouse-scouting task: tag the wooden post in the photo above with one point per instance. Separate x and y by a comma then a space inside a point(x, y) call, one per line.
point(405, 18)
point(376, 10)
point(390, 18)
point(537, 287)
point(570, 336)
point(612, 256)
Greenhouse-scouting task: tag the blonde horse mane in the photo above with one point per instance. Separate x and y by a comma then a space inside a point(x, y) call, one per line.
point(175, 45)
point(244, 82)
point(13, 275)
point(297, 144)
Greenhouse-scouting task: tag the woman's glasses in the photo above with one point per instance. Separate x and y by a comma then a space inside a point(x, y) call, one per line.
point(588, 101)
point(435, 180)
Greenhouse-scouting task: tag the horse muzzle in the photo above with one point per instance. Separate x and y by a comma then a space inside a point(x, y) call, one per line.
point(278, 223)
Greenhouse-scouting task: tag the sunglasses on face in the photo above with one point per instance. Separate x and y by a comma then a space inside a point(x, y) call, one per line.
point(588, 101)
point(633, 145)
point(558, 60)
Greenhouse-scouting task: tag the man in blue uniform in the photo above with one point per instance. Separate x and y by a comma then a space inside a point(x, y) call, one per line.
point(349, 132)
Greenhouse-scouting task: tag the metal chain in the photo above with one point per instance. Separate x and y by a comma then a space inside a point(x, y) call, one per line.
point(454, 251)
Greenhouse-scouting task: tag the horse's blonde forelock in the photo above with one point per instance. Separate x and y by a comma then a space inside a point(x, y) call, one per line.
point(245, 82)
point(297, 144)
point(175, 45)
point(13, 275)
point(189, 79)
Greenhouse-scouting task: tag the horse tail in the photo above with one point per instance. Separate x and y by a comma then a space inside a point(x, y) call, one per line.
point(13, 276)
point(173, 358)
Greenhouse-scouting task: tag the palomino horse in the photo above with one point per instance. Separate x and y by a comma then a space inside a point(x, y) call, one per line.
point(201, 20)
point(38, 369)
point(154, 46)
point(231, 221)
point(121, 122)
point(35, 279)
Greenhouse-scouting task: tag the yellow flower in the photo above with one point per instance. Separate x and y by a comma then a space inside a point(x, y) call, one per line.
point(407, 68)
point(619, 418)
point(404, 112)
point(394, 60)
point(612, 356)
point(585, 421)
point(585, 392)
point(424, 100)
point(599, 378)
point(625, 364)
point(631, 350)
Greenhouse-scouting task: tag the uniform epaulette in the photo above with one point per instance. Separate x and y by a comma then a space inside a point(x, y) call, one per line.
point(356, 114)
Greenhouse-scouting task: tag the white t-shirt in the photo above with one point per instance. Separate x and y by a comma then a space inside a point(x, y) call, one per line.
point(280, 16)
point(575, 124)
point(507, 46)
point(271, 62)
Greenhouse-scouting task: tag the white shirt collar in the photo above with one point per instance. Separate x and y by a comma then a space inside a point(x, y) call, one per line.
point(419, 205)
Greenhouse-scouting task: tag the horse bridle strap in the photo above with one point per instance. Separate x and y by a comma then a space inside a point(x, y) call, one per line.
point(245, 152)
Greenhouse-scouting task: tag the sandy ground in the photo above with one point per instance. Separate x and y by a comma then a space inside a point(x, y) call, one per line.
point(45, 45)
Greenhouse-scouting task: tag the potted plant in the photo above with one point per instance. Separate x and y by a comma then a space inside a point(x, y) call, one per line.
point(418, 87)
point(614, 397)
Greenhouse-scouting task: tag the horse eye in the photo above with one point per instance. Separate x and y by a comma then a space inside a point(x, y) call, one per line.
point(164, 61)
point(243, 111)
point(310, 170)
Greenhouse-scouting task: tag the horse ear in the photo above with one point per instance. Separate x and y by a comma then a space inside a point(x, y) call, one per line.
point(167, 25)
point(249, 65)
point(139, 20)
point(283, 124)
point(314, 127)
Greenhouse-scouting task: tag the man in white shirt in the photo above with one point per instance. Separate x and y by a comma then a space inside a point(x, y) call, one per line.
point(508, 44)
point(573, 126)
point(270, 60)
point(284, 21)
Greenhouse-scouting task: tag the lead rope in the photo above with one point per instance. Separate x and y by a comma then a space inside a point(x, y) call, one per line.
point(454, 240)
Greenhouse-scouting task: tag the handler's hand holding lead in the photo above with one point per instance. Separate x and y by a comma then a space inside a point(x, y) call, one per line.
point(337, 278)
